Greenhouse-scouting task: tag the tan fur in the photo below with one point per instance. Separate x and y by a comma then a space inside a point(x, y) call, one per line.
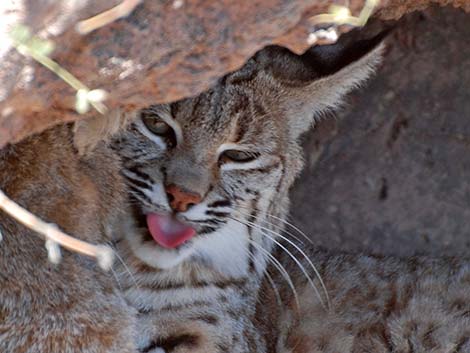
point(98, 129)
point(379, 304)
point(202, 302)
point(219, 292)
point(73, 306)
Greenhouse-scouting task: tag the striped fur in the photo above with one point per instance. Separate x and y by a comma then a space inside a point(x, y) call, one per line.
point(378, 304)
point(201, 296)
point(244, 283)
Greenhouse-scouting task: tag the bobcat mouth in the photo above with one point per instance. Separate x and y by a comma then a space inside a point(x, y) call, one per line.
point(167, 231)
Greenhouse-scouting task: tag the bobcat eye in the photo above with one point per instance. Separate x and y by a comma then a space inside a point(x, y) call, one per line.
point(159, 128)
point(238, 156)
point(156, 126)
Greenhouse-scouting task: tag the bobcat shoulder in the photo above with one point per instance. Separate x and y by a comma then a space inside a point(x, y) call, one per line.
point(72, 306)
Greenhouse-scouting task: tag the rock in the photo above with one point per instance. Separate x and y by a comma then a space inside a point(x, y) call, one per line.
point(390, 174)
point(163, 51)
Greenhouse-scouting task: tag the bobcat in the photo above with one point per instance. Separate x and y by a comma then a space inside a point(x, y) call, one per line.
point(211, 265)
point(209, 179)
point(71, 307)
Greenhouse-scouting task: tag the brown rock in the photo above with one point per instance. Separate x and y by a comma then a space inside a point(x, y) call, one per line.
point(161, 52)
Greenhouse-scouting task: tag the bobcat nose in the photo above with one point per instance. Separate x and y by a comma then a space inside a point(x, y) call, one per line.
point(180, 199)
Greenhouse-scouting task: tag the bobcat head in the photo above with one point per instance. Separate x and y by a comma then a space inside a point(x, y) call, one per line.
point(209, 176)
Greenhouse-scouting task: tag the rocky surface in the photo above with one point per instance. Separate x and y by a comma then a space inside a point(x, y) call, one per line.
point(163, 51)
point(392, 174)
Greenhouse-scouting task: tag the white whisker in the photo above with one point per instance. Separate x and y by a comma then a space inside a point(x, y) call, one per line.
point(287, 223)
point(309, 261)
point(292, 226)
point(297, 229)
point(280, 268)
point(274, 287)
point(126, 268)
point(279, 228)
point(275, 262)
point(270, 279)
point(301, 267)
point(116, 277)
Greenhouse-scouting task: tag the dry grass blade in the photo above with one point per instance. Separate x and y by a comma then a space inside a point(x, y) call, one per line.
point(54, 236)
point(341, 15)
point(106, 17)
point(338, 15)
point(31, 46)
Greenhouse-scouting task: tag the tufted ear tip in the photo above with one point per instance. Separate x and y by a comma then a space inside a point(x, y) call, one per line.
point(351, 47)
point(318, 80)
point(320, 60)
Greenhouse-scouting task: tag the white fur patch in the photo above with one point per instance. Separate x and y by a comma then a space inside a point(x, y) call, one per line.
point(226, 249)
point(242, 166)
point(196, 212)
point(157, 195)
point(147, 299)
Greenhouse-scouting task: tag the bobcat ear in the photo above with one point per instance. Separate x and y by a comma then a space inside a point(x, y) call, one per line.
point(89, 132)
point(318, 80)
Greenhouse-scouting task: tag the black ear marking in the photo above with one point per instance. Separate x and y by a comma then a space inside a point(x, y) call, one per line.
point(328, 59)
point(320, 60)
point(285, 66)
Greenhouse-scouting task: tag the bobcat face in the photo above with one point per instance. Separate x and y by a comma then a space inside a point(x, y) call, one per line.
point(205, 173)
point(198, 167)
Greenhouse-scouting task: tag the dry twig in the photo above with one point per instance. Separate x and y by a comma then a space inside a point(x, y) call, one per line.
point(338, 16)
point(105, 18)
point(38, 49)
point(341, 15)
point(55, 237)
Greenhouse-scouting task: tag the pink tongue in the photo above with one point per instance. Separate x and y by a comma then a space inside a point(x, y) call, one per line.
point(167, 231)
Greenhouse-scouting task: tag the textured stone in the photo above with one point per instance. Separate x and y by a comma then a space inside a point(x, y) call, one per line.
point(391, 175)
point(160, 53)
